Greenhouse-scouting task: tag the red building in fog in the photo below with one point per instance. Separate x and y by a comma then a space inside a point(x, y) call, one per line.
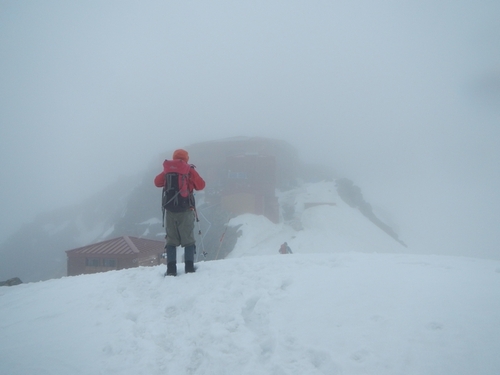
point(250, 185)
point(243, 173)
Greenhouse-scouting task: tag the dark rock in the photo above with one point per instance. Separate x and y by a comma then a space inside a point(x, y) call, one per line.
point(11, 282)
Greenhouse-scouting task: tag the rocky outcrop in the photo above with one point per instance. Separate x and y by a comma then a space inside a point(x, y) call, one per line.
point(351, 194)
point(11, 282)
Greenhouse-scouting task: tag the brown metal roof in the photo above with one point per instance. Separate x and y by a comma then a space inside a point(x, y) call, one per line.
point(121, 246)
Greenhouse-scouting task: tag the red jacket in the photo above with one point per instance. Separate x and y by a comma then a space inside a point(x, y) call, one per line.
point(195, 182)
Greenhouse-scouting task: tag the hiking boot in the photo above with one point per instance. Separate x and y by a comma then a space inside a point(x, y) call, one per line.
point(189, 266)
point(189, 252)
point(171, 269)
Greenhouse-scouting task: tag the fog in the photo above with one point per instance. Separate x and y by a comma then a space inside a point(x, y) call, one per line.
point(401, 97)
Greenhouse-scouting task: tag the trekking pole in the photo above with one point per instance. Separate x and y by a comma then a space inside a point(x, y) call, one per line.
point(199, 233)
point(202, 243)
point(205, 253)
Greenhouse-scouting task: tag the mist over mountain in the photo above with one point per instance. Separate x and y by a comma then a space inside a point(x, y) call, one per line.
point(131, 206)
point(401, 98)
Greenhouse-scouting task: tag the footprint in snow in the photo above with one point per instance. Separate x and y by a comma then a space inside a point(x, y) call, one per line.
point(434, 326)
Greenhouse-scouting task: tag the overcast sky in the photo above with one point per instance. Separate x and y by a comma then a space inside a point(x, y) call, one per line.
point(401, 97)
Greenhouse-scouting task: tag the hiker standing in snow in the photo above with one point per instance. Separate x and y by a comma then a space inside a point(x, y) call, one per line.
point(285, 249)
point(178, 181)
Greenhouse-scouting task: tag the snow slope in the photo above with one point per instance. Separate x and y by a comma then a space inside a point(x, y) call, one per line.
point(279, 314)
point(325, 309)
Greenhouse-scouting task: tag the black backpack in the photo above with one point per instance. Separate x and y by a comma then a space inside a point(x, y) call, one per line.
point(176, 196)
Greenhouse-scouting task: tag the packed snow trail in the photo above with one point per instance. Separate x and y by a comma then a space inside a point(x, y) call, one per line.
point(280, 314)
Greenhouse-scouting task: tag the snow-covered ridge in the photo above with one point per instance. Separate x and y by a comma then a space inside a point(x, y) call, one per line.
point(341, 304)
point(330, 227)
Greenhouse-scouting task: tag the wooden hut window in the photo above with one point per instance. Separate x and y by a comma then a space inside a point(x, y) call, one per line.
point(109, 262)
point(92, 262)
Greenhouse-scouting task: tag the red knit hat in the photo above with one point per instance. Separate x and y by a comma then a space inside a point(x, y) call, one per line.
point(181, 154)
